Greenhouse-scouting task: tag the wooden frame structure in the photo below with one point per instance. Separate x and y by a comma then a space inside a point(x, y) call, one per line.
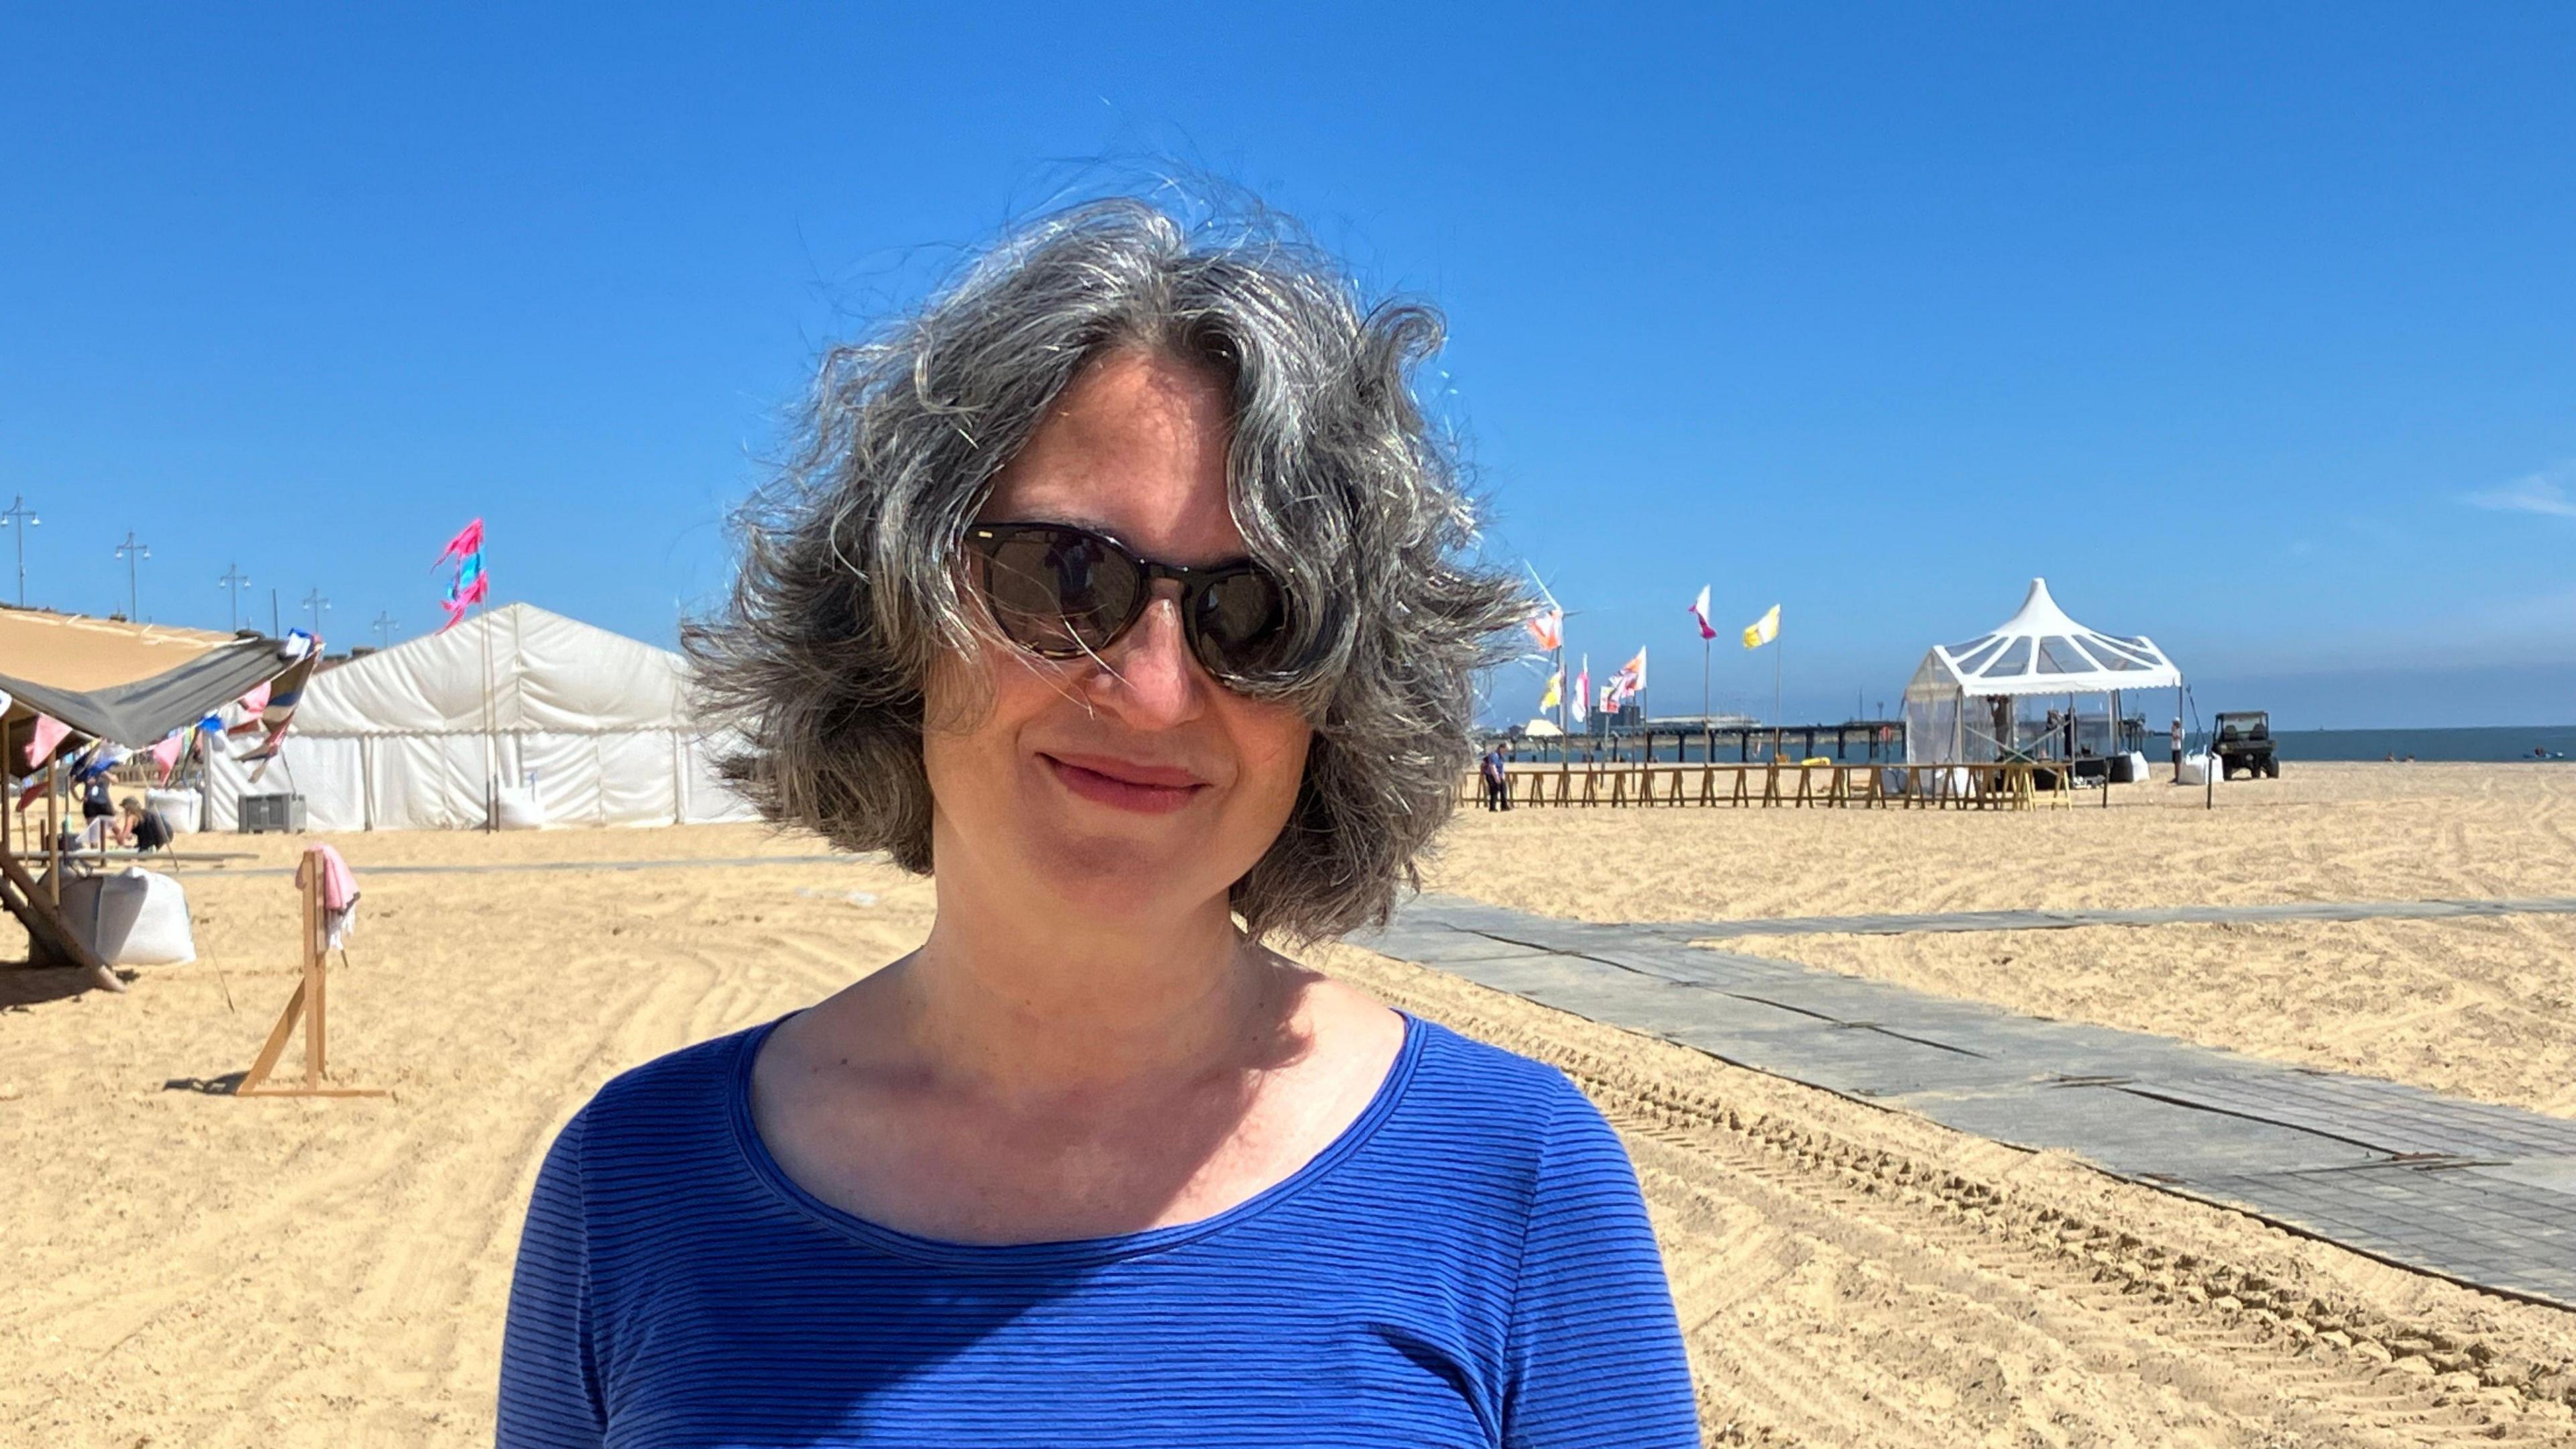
point(308, 1003)
point(37, 901)
point(2005, 785)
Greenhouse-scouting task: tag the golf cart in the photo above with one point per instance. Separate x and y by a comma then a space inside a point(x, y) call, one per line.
point(2245, 743)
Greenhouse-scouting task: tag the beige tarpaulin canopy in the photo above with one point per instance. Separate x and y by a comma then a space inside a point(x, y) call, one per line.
point(128, 683)
point(131, 684)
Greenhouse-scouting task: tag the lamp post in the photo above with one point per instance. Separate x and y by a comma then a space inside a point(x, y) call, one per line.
point(19, 515)
point(133, 551)
point(384, 627)
point(315, 605)
point(232, 583)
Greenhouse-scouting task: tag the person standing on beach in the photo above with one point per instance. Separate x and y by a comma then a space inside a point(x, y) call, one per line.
point(1490, 770)
point(1125, 590)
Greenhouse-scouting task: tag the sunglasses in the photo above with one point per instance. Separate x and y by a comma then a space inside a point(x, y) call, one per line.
point(1063, 592)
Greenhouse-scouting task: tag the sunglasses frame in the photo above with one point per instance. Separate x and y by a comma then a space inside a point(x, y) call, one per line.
point(984, 541)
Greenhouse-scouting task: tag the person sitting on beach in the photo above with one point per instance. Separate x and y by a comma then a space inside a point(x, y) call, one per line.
point(141, 826)
point(1124, 590)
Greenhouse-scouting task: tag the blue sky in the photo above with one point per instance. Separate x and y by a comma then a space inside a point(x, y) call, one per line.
point(2253, 332)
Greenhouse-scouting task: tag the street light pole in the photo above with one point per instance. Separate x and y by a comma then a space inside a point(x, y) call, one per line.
point(232, 584)
point(316, 606)
point(24, 518)
point(133, 552)
point(384, 627)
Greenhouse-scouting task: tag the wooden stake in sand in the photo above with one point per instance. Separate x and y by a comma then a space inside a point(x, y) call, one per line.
point(307, 1002)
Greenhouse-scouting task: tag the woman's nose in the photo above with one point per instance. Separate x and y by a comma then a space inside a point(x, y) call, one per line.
point(1152, 680)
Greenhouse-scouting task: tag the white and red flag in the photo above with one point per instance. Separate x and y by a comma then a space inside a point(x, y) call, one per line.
point(1630, 681)
point(1582, 692)
point(1547, 626)
point(1699, 614)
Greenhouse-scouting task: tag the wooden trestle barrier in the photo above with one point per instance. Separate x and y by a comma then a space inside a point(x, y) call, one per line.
point(307, 1002)
point(2010, 785)
point(37, 904)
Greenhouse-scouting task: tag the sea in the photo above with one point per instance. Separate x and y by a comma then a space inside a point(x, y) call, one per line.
point(2485, 742)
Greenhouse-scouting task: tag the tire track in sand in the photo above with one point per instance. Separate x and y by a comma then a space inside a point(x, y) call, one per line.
point(1836, 1289)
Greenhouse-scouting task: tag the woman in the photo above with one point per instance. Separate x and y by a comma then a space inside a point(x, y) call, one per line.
point(1120, 589)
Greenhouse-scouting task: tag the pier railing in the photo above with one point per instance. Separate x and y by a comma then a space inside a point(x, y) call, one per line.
point(2005, 785)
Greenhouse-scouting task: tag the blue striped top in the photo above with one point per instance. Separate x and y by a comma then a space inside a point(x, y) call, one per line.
point(1469, 1263)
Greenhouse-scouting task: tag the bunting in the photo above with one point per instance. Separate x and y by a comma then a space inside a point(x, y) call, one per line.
point(48, 733)
point(284, 693)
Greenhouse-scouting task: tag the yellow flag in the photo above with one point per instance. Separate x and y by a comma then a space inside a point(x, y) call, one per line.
point(1763, 630)
point(1555, 690)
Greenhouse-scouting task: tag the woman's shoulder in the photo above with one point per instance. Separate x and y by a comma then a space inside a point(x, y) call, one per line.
point(669, 1097)
point(1484, 1100)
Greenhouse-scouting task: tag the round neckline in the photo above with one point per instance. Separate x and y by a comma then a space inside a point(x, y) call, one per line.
point(1063, 1253)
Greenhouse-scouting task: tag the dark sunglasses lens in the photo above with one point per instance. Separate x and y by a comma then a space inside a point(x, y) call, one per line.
point(1057, 591)
point(1243, 626)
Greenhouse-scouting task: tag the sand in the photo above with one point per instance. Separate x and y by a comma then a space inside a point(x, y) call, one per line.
point(2319, 833)
point(194, 1269)
point(2481, 1008)
point(2485, 1008)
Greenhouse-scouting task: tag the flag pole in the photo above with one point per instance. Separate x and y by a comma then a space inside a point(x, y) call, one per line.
point(1704, 643)
point(1778, 648)
point(1563, 684)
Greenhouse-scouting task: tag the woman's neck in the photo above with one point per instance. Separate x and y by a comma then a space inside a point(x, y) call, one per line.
point(1023, 1001)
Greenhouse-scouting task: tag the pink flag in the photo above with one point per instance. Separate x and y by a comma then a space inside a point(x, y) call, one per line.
point(166, 753)
point(252, 705)
point(48, 733)
point(468, 539)
point(1583, 690)
point(1699, 612)
point(476, 591)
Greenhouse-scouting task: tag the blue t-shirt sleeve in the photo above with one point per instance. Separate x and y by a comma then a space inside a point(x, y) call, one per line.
point(1595, 1352)
point(549, 1380)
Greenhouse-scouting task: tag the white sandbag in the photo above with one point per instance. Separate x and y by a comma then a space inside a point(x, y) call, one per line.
point(2128, 768)
point(132, 918)
point(518, 809)
point(184, 809)
point(2197, 769)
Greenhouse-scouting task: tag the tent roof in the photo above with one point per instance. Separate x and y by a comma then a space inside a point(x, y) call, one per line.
point(547, 673)
point(130, 683)
point(2039, 650)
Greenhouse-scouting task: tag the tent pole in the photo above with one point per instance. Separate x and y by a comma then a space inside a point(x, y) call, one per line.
point(491, 765)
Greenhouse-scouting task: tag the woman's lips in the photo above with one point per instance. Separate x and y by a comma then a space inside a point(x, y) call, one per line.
point(1144, 789)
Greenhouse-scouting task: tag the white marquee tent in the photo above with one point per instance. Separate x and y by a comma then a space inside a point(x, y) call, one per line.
point(2038, 651)
point(594, 725)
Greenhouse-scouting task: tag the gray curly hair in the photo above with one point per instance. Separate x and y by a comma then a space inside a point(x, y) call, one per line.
point(850, 586)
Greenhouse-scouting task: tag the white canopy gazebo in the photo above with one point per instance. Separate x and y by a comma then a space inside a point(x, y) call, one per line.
point(2039, 651)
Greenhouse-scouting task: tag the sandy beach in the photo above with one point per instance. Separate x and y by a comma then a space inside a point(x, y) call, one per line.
point(195, 1269)
point(2485, 1008)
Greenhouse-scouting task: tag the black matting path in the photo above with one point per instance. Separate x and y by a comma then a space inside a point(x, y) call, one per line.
point(2480, 1194)
point(1896, 925)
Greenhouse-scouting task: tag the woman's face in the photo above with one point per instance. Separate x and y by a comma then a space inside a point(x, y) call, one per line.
point(1132, 783)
